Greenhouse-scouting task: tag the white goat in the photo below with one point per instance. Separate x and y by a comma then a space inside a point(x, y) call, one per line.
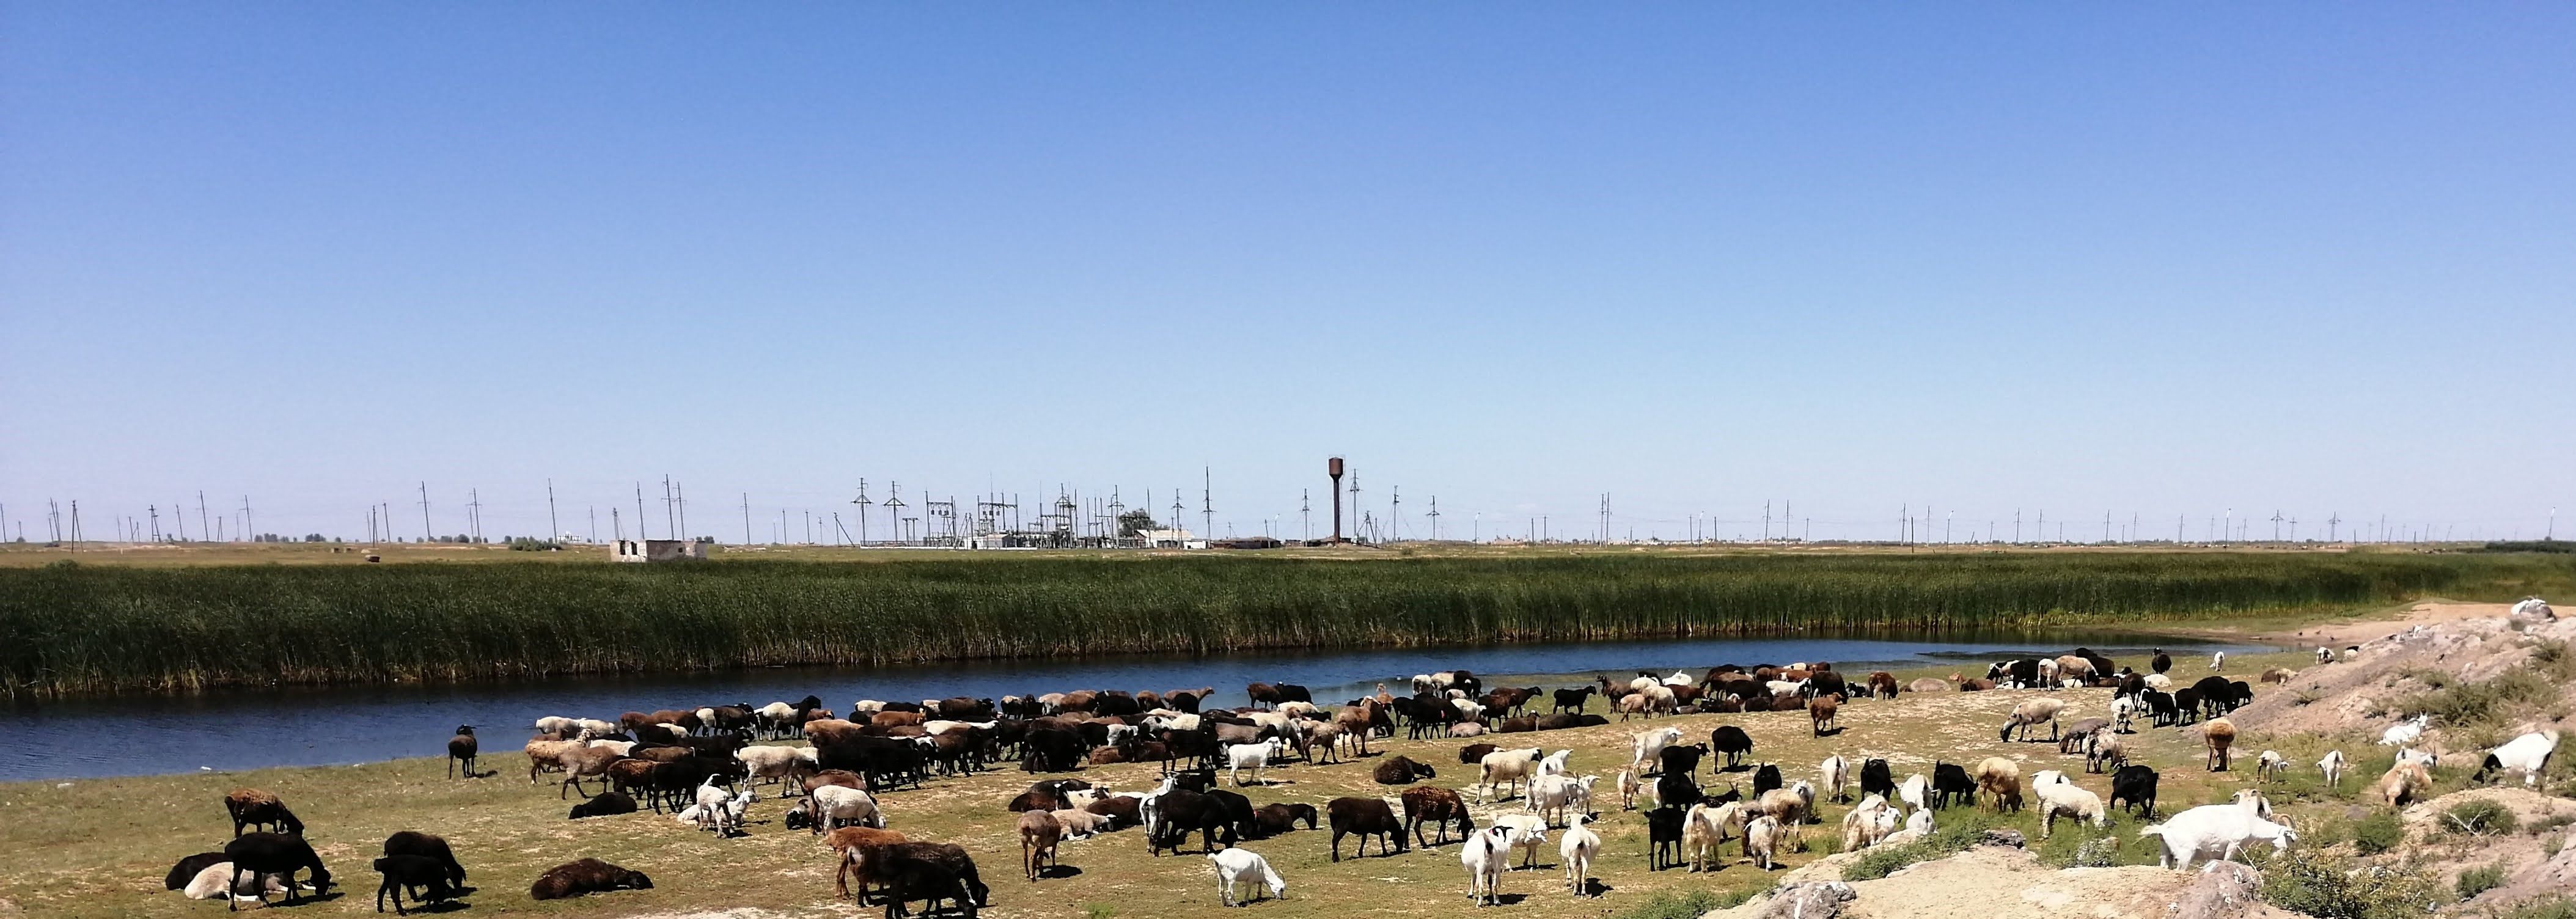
point(2224, 829)
point(2332, 766)
point(1255, 755)
point(1244, 866)
point(2405, 732)
point(1576, 850)
point(1649, 747)
point(2527, 754)
point(1837, 775)
point(1486, 856)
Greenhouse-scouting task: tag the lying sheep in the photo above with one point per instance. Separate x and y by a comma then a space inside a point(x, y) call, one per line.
point(209, 882)
point(589, 875)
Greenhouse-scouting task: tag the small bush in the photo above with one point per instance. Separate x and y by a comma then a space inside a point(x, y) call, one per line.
point(2475, 881)
point(2479, 818)
point(1667, 904)
point(2553, 906)
point(1099, 911)
point(2549, 847)
point(2329, 888)
point(2379, 832)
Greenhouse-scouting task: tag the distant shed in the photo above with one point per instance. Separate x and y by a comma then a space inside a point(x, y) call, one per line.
point(657, 550)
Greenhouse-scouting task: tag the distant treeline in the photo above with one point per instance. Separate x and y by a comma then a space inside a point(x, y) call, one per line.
point(87, 629)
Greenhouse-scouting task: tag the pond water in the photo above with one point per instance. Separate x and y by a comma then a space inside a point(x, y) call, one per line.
point(251, 729)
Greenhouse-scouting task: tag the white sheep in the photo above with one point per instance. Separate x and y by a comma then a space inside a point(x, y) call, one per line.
point(209, 884)
point(2533, 608)
point(2064, 798)
point(2527, 754)
point(2332, 766)
point(2325, 655)
point(1255, 755)
point(1576, 851)
point(1869, 821)
point(1554, 764)
point(553, 726)
point(833, 805)
point(1680, 678)
point(1244, 866)
point(2159, 682)
point(1917, 826)
point(1553, 796)
point(1501, 766)
point(2405, 732)
point(766, 761)
point(2218, 661)
point(2124, 714)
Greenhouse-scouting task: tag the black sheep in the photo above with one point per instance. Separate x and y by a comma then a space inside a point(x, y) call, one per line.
point(1732, 741)
point(589, 875)
point(604, 804)
point(1576, 699)
point(2161, 663)
point(403, 873)
point(2135, 786)
point(188, 868)
point(1235, 810)
point(461, 748)
point(1676, 789)
point(255, 854)
point(1402, 771)
point(1364, 817)
point(1275, 819)
point(930, 872)
point(1681, 759)
point(1178, 812)
point(424, 845)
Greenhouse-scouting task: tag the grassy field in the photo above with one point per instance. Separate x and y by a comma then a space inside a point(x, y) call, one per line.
point(106, 628)
point(99, 848)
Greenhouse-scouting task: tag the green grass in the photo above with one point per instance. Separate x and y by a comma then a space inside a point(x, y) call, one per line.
point(91, 628)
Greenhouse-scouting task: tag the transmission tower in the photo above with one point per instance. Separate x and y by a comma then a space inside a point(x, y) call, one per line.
point(863, 502)
point(1435, 518)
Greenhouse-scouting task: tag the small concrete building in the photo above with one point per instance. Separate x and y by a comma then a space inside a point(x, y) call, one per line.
point(1170, 539)
point(657, 550)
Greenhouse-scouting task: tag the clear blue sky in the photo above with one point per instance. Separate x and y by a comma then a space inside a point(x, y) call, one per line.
point(2162, 260)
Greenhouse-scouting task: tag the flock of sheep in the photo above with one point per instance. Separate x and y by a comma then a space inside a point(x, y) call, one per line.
point(703, 767)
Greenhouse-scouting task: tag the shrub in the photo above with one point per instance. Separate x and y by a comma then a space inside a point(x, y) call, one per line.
point(2379, 832)
point(2475, 881)
point(2479, 818)
point(2553, 906)
point(1668, 904)
point(2330, 888)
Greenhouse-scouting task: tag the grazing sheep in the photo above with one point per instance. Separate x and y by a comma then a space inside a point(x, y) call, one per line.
point(2218, 734)
point(430, 847)
point(2332, 767)
point(461, 748)
point(1732, 741)
point(2527, 754)
point(2065, 799)
point(1576, 851)
point(2000, 779)
point(1820, 713)
point(1501, 766)
point(1868, 823)
point(1527, 833)
point(2104, 751)
point(1040, 832)
point(832, 805)
point(262, 853)
point(2030, 713)
point(2405, 782)
point(930, 872)
point(2135, 786)
point(402, 873)
point(1243, 866)
point(852, 848)
point(1762, 841)
point(251, 807)
point(1364, 817)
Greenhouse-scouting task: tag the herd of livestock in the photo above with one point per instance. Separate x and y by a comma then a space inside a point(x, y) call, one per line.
point(703, 766)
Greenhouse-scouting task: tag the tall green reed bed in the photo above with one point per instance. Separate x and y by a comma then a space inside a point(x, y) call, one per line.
point(74, 629)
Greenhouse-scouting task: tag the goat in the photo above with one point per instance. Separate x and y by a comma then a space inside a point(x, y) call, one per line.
point(404, 872)
point(1762, 841)
point(2527, 754)
point(2135, 786)
point(1820, 713)
point(1487, 857)
point(2332, 767)
point(1243, 866)
point(2063, 798)
point(1576, 852)
point(1837, 775)
point(2225, 828)
point(1040, 833)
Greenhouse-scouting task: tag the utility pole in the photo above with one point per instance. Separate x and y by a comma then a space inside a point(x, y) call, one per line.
point(680, 496)
point(425, 535)
point(201, 513)
point(246, 526)
point(1395, 513)
point(862, 501)
point(616, 524)
point(474, 512)
point(670, 524)
point(2106, 526)
point(639, 513)
point(594, 522)
point(1207, 500)
point(1435, 518)
point(2016, 524)
point(746, 519)
point(553, 524)
point(2276, 526)
point(1766, 521)
point(1305, 512)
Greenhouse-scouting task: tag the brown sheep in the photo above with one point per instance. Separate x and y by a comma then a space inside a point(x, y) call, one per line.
point(546, 755)
point(2405, 782)
point(842, 777)
point(586, 762)
point(461, 748)
point(1365, 817)
point(589, 875)
point(1119, 810)
point(1402, 770)
point(1439, 807)
point(1040, 832)
point(1820, 713)
point(2000, 779)
point(853, 845)
point(2219, 734)
point(1928, 684)
point(252, 807)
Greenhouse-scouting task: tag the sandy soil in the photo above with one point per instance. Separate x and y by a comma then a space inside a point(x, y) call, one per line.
point(1999, 882)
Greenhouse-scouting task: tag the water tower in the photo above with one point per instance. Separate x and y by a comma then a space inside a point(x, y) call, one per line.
point(1333, 467)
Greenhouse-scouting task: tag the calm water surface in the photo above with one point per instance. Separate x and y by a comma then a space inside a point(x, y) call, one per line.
point(250, 729)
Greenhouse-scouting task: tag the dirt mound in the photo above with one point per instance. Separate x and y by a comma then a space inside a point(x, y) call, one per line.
point(2000, 882)
point(2441, 847)
point(2358, 695)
